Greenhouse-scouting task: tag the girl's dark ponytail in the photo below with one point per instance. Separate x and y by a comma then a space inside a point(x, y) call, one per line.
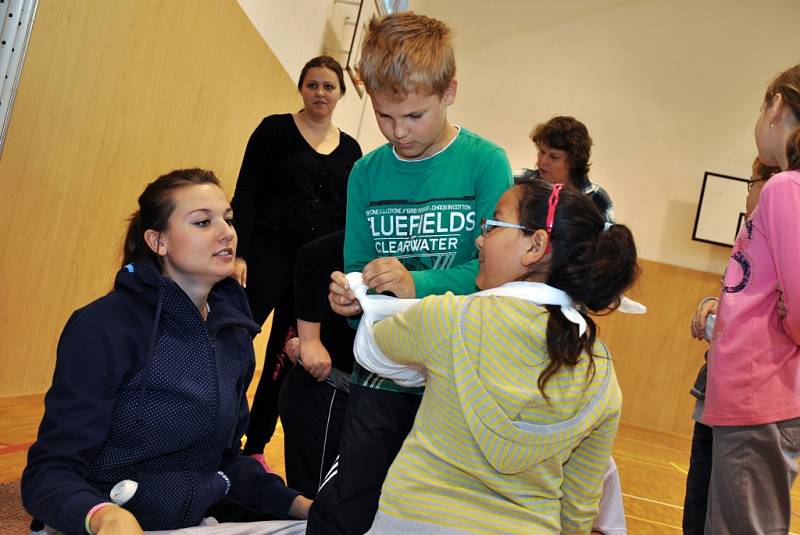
point(134, 248)
point(612, 269)
point(593, 264)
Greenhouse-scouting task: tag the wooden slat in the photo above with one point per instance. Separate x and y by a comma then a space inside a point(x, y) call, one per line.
point(112, 95)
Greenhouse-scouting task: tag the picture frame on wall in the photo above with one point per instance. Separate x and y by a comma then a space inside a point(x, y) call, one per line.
point(719, 210)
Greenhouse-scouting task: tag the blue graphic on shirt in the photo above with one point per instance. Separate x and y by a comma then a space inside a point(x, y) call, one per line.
point(744, 264)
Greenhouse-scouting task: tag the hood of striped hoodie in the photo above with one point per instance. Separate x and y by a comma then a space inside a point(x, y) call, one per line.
point(512, 446)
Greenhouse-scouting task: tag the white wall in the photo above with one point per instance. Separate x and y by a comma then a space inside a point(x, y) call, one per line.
point(298, 30)
point(668, 90)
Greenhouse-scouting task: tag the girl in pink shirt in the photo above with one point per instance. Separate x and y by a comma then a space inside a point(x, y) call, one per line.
point(753, 392)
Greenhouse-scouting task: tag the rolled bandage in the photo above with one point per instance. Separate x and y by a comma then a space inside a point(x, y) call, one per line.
point(123, 491)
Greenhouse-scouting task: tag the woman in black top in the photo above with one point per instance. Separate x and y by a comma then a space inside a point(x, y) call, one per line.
point(292, 188)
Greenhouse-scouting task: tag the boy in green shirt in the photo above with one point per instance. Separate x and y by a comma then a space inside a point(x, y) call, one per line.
point(414, 208)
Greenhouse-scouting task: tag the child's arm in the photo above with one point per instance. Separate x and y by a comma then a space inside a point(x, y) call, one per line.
point(314, 358)
point(583, 476)
point(779, 205)
point(707, 306)
point(359, 249)
point(420, 333)
point(315, 261)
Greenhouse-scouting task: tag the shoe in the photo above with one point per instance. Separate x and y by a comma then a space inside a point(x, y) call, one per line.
point(260, 458)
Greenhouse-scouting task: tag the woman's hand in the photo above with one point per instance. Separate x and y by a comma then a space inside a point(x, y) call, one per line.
point(240, 271)
point(114, 520)
point(299, 508)
point(315, 359)
point(342, 299)
point(387, 274)
point(707, 306)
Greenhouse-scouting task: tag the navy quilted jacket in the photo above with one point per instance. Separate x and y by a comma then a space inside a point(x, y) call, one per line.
point(145, 390)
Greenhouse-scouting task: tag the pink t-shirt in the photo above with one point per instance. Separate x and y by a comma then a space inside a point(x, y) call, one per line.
point(754, 358)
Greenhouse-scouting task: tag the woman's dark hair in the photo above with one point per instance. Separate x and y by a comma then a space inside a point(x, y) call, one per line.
point(326, 62)
point(571, 136)
point(787, 84)
point(155, 207)
point(594, 266)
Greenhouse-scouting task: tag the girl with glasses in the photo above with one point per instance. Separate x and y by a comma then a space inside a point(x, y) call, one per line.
point(522, 403)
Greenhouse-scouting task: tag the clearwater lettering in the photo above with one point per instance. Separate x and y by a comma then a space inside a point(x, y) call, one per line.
point(420, 230)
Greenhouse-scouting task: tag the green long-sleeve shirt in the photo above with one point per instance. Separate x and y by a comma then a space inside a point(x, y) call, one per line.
point(426, 213)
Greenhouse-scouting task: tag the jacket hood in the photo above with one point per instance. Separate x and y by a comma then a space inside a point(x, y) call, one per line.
point(511, 446)
point(227, 298)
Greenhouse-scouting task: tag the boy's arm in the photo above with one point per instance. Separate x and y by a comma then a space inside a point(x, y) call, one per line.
point(778, 205)
point(359, 249)
point(493, 178)
point(583, 476)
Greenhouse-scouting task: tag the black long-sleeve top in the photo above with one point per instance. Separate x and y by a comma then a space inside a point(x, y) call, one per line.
point(315, 263)
point(286, 190)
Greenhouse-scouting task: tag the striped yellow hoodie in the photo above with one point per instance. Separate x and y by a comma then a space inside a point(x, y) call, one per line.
point(488, 453)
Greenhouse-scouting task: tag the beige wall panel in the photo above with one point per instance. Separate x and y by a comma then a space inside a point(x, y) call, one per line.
point(656, 358)
point(668, 89)
point(112, 95)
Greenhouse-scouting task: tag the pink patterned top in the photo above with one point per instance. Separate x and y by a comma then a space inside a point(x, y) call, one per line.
point(754, 358)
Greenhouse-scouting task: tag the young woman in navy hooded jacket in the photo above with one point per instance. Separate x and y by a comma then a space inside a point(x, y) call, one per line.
point(150, 381)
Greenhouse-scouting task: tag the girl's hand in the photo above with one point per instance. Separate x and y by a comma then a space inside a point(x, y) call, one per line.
point(240, 271)
point(341, 297)
point(707, 306)
point(114, 520)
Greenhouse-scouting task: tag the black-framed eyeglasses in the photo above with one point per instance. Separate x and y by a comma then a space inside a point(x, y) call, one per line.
point(488, 224)
point(752, 182)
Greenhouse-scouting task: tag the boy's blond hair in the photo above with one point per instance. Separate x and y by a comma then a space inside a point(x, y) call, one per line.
point(405, 53)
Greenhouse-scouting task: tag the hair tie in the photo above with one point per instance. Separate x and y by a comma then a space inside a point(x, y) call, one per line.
point(552, 202)
point(607, 225)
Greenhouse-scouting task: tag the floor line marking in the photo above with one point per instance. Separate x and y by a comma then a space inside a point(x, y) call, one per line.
point(641, 461)
point(637, 441)
point(652, 501)
point(679, 468)
point(653, 522)
point(15, 448)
